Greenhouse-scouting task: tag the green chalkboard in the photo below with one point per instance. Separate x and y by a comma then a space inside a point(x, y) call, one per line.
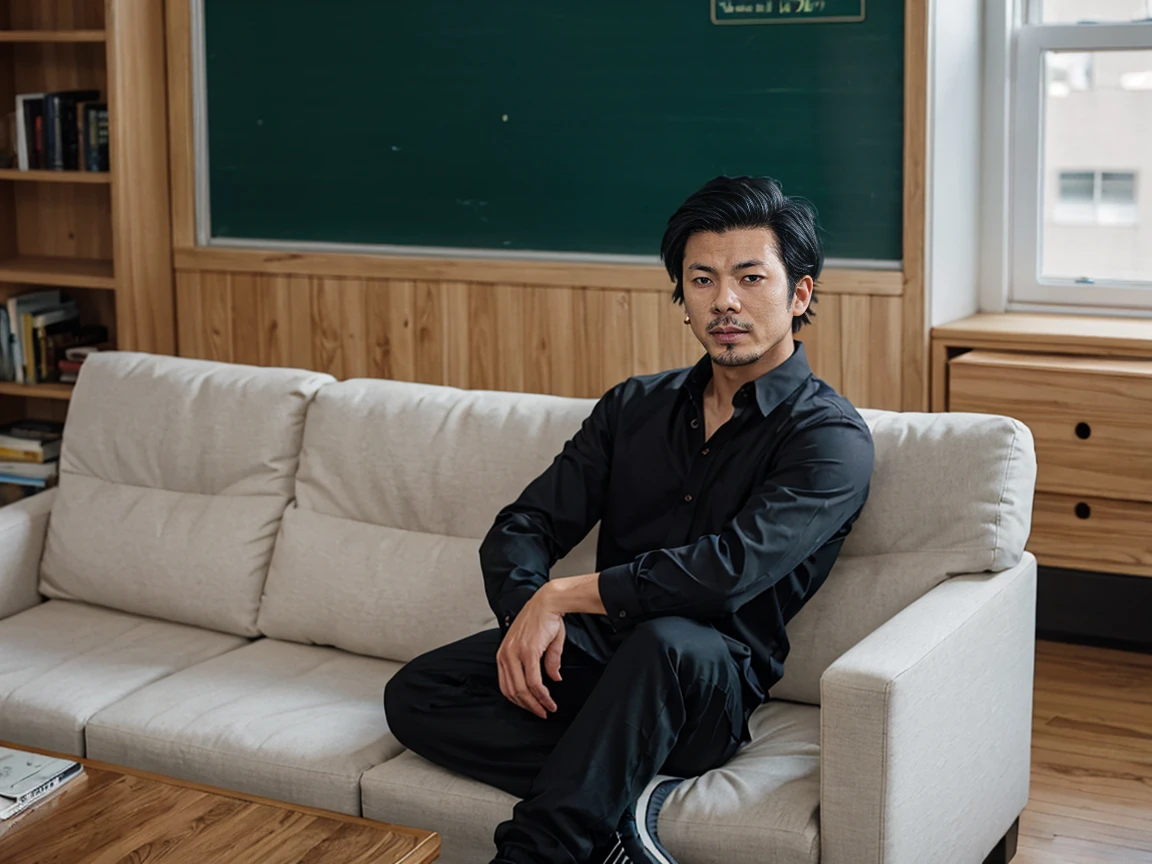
point(552, 125)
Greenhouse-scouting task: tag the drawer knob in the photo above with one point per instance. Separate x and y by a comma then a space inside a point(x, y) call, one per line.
point(1083, 430)
point(1083, 511)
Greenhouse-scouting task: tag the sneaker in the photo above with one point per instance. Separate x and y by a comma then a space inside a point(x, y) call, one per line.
point(636, 839)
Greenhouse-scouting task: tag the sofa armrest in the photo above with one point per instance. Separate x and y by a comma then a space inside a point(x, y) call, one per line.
point(23, 527)
point(926, 726)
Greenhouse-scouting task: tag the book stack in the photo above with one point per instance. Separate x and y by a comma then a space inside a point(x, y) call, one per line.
point(30, 452)
point(36, 331)
point(29, 456)
point(62, 131)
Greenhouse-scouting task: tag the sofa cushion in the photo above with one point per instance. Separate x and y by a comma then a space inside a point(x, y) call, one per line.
point(950, 494)
point(398, 484)
point(173, 479)
point(62, 662)
point(760, 808)
point(291, 722)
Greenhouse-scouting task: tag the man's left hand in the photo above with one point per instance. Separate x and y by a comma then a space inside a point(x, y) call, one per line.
point(538, 631)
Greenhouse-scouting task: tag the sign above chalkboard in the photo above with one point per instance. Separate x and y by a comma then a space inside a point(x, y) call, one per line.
point(786, 11)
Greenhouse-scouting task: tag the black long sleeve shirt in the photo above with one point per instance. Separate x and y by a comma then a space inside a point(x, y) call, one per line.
point(737, 531)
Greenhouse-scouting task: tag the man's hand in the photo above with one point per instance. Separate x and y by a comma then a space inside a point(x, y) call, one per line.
point(538, 631)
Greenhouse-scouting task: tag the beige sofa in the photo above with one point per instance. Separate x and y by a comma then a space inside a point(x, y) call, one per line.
point(237, 559)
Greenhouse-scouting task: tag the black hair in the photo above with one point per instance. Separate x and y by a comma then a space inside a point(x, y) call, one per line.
point(727, 203)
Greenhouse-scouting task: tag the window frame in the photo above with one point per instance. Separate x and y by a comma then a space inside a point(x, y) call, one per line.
point(1027, 288)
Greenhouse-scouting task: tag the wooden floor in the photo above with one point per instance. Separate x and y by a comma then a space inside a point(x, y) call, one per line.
point(1091, 793)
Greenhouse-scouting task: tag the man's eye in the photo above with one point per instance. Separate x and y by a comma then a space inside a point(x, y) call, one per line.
point(753, 277)
point(701, 280)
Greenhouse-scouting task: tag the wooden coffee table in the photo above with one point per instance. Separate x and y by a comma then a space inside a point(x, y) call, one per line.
point(114, 814)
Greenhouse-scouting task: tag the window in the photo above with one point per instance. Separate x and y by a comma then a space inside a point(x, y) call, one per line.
point(1095, 198)
point(1081, 133)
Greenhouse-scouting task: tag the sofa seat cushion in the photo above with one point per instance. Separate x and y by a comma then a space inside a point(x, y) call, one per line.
point(760, 808)
point(62, 662)
point(290, 722)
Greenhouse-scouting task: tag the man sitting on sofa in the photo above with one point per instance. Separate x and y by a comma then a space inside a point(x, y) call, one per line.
point(724, 493)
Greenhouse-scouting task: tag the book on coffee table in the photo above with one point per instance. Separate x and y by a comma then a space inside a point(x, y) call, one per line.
point(25, 778)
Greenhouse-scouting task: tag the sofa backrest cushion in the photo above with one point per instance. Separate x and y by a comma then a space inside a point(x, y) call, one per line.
point(173, 479)
point(398, 484)
point(950, 494)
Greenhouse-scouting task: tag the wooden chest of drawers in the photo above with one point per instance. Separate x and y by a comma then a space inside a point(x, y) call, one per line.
point(1092, 421)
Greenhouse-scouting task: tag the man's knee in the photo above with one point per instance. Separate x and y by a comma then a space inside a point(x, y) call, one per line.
point(681, 640)
point(399, 696)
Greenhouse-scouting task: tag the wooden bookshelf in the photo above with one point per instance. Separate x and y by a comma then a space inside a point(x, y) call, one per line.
point(36, 391)
point(52, 36)
point(65, 272)
point(56, 176)
point(103, 238)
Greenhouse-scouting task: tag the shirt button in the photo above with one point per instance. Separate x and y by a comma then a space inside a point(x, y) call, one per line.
point(687, 497)
point(695, 424)
point(622, 614)
point(704, 452)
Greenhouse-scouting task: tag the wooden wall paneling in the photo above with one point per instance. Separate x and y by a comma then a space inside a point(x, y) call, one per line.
point(216, 313)
point(856, 347)
point(428, 333)
point(138, 128)
point(646, 310)
point(883, 357)
point(327, 327)
point(247, 298)
point(298, 334)
point(397, 317)
point(822, 342)
point(612, 277)
point(510, 345)
point(354, 318)
point(190, 322)
point(273, 314)
point(914, 315)
point(181, 135)
point(454, 324)
point(607, 341)
point(483, 324)
point(55, 14)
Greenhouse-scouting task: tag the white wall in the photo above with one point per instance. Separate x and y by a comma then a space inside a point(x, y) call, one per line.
point(955, 63)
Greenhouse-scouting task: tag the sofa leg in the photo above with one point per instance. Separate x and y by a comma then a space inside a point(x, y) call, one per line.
point(1005, 850)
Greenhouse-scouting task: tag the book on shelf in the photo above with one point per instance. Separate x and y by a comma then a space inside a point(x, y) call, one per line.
point(92, 128)
point(26, 777)
point(35, 471)
point(29, 106)
point(61, 135)
point(30, 440)
point(36, 330)
point(65, 130)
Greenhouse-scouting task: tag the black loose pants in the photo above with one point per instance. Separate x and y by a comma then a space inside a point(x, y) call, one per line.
point(667, 699)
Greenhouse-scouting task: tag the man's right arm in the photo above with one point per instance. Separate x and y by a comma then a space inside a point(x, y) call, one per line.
point(554, 513)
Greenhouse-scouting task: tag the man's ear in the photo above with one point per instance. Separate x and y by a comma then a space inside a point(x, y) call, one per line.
point(802, 296)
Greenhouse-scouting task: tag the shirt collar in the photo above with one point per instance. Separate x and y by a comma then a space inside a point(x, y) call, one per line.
point(772, 388)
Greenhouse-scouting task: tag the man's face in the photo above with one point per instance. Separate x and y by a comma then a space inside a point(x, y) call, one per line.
point(736, 294)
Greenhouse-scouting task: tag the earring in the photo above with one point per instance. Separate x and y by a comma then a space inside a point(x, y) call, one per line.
point(687, 320)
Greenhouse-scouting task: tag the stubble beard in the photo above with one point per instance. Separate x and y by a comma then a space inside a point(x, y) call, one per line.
point(729, 357)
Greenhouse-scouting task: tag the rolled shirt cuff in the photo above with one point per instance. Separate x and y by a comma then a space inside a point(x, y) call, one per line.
point(511, 602)
point(618, 594)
